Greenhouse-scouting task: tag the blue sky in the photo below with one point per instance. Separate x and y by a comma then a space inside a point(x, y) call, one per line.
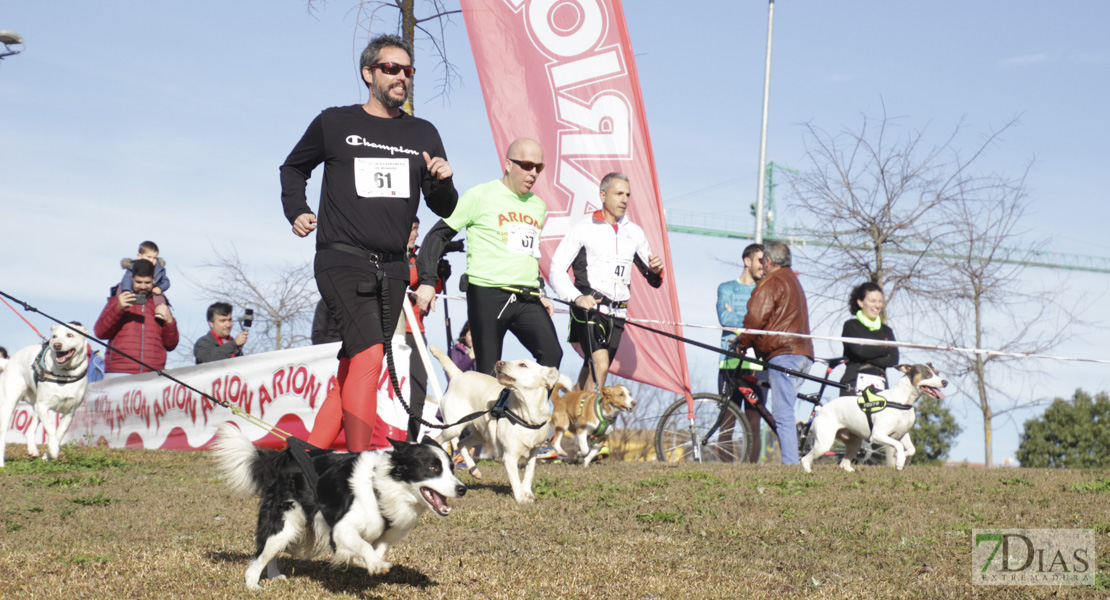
point(124, 121)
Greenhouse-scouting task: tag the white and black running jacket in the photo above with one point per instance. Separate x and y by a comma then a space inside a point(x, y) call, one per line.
point(603, 257)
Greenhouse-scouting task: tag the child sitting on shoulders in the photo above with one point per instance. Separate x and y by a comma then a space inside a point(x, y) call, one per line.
point(148, 251)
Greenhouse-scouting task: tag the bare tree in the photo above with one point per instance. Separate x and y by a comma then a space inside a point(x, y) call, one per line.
point(872, 194)
point(284, 300)
point(988, 303)
point(432, 24)
point(942, 234)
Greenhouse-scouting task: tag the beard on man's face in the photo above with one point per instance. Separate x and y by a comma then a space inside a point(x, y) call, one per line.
point(382, 95)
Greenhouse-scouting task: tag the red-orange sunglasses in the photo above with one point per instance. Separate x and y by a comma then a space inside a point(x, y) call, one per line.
point(528, 165)
point(394, 68)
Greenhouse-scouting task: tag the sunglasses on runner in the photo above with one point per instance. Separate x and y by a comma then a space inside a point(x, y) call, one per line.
point(394, 68)
point(528, 165)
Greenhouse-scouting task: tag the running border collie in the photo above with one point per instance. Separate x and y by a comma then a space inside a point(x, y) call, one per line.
point(363, 503)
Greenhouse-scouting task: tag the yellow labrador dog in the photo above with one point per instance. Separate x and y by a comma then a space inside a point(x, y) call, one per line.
point(50, 377)
point(588, 414)
point(529, 385)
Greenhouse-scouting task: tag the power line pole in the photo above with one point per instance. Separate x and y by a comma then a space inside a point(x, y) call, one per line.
point(763, 132)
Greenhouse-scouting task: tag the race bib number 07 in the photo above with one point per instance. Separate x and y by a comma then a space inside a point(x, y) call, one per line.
point(524, 239)
point(382, 177)
point(866, 379)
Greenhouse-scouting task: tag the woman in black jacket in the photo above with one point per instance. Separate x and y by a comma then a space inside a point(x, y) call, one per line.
point(867, 364)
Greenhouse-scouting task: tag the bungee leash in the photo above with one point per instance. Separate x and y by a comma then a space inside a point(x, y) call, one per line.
point(500, 408)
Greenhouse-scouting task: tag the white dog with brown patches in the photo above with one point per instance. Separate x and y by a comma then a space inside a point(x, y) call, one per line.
point(587, 413)
point(844, 418)
point(52, 377)
point(529, 385)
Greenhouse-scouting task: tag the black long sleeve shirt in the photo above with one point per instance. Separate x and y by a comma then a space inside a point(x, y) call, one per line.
point(374, 175)
point(860, 355)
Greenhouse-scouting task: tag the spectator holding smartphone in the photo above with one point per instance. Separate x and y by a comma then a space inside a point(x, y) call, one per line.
point(148, 251)
point(134, 326)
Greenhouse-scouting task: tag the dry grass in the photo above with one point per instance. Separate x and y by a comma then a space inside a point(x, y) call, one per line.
point(148, 524)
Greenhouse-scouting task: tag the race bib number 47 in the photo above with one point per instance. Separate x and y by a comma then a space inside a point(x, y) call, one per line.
point(618, 270)
point(382, 177)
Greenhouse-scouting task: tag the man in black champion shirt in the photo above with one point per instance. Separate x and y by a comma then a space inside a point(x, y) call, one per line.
point(378, 161)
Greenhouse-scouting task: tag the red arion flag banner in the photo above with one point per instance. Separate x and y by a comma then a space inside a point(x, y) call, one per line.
point(562, 72)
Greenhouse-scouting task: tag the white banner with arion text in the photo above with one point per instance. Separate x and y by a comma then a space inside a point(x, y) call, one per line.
point(283, 389)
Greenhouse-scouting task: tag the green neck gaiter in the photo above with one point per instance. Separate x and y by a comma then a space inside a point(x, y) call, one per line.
point(870, 324)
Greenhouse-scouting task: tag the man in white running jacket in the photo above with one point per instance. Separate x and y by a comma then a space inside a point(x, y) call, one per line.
point(603, 250)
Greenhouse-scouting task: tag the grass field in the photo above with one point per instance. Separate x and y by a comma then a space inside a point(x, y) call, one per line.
point(147, 524)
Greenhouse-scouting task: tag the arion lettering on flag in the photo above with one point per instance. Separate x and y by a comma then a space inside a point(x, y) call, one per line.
point(562, 72)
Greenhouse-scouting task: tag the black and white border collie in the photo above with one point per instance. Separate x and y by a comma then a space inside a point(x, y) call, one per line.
point(364, 503)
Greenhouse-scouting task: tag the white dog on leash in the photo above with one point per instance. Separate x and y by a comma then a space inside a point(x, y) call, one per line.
point(889, 426)
point(50, 377)
point(529, 385)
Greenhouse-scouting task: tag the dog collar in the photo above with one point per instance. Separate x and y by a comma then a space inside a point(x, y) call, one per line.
point(43, 374)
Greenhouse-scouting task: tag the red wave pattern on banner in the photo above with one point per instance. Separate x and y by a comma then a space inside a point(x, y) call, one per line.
point(563, 73)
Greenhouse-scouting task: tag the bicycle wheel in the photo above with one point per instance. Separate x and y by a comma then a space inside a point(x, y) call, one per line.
point(869, 454)
point(731, 441)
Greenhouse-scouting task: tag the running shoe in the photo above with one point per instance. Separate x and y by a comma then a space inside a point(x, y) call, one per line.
point(547, 452)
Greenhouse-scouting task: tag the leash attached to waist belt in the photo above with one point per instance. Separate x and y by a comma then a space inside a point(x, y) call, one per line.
point(380, 285)
point(370, 255)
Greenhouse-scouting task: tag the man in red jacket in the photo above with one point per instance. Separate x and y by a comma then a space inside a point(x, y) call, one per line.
point(778, 303)
point(136, 327)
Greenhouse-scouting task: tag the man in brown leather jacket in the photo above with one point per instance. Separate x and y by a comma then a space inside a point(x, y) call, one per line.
point(778, 303)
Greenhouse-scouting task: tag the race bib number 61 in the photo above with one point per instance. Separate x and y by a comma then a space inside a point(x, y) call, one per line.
point(382, 177)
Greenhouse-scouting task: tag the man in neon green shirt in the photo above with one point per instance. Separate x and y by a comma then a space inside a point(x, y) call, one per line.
point(503, 221)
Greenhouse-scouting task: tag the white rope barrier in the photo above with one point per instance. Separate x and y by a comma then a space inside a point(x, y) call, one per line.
point(859, 341)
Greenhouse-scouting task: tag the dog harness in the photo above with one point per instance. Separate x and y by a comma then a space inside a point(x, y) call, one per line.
point(603, 423)
point(43, 374)
point(870, 402)
point(501, 410)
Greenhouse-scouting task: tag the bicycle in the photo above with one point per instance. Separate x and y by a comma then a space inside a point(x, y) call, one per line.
point(720, 431)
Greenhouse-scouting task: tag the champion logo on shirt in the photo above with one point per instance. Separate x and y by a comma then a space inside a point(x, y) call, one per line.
point(358, 140)
point(515, 217)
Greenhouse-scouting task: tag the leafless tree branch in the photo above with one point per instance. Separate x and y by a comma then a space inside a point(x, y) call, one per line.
point(945, 239)
point(284, 300)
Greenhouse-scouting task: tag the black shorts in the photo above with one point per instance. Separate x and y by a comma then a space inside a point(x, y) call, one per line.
point(493, 312)
point(350, 295)
point(593, 331)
